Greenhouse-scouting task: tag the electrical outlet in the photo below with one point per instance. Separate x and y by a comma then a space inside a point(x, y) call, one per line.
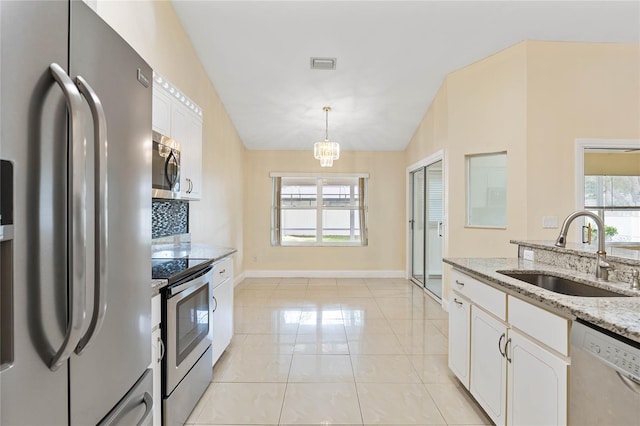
point(550, 222)
point(528, 255)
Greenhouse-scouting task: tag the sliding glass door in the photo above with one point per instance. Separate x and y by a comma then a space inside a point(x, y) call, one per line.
point(427, 227)
point(417, 226)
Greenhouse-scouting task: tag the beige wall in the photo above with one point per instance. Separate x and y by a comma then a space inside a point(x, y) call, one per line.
point(154, 31)
point(487, 113)
point(575, 90)
point(431, 134)
point(532, 100)
point(612, 164)
point(386, 197)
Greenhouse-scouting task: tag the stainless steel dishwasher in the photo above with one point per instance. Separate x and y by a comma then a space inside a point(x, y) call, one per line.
point(604, 378)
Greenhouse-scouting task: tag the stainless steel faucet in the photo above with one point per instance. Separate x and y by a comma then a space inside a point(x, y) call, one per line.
point(602, 266)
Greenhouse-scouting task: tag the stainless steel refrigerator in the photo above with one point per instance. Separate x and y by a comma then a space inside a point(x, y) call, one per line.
point(75, 138)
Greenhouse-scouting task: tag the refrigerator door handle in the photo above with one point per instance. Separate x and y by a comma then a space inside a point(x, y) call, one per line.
point(148, 403)
point(101, 244)
point(129, 405)
point(77, 208)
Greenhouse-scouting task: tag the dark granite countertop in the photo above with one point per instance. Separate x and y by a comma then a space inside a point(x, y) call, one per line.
point(620, 315)
point(207, 253)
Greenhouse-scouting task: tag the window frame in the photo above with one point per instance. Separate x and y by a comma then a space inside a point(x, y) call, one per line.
point(361, 209)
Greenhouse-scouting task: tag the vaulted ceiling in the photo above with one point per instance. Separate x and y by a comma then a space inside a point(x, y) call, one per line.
point(392, 56)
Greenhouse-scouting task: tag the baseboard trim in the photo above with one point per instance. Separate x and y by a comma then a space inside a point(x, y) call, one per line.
point(445, 305)
point(238, 279)
point(323, 274)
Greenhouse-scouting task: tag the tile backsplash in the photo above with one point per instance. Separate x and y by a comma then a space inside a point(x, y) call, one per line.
point(169, 217)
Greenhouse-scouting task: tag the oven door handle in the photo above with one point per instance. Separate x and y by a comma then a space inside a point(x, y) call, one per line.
point(197, 281)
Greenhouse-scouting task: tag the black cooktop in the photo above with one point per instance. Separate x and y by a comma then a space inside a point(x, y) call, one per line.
point(175, 269)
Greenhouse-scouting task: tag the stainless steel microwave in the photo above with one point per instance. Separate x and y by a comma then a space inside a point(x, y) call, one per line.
point(166, 167)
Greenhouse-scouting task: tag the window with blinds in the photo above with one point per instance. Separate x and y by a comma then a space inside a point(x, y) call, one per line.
point(319, 210)
point(435, 196)
point(616, 199)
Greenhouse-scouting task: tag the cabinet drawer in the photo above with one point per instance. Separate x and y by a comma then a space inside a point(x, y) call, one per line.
point(540, 324)
point(222, 271)
point(480, 294)
point(155, 311)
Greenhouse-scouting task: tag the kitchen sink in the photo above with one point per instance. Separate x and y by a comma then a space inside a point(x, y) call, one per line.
point(561, 285)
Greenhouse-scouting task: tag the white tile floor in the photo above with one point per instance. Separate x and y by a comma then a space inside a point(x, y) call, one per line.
point(336, 351)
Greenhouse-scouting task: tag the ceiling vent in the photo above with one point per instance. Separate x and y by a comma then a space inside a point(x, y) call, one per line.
point(323, 63)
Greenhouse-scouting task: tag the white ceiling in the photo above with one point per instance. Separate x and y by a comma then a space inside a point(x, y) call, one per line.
point(392, 57)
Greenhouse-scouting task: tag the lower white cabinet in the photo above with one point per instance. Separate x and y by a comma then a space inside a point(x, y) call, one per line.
point(516, 378)
point(222, 307)
point(459, 327)
point(537, 388)
point(488, 364)
point(157, 352)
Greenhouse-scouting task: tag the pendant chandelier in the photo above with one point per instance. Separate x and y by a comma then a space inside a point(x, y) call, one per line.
point(326, 151)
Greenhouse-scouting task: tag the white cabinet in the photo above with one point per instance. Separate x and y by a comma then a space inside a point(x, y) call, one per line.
point(191, 157)
point(488, 364)
point(535, 375)
point(459, 323)
point(161, 111)
point(180, 119)
point(222, 307)
point(517, 354)
point(157, 353)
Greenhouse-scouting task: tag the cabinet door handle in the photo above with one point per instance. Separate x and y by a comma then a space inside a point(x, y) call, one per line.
point(461, 284)
point(162, 349)
point(216, 305)
point(506, 345)
point(503, 353)
point(457, 302)
point(223, 271)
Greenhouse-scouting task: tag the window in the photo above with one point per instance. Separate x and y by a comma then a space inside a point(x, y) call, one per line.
point(319, 210)
point(616, 199)
point(487, 190)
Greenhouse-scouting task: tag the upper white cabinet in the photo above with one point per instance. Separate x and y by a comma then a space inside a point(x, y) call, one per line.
point(161, 111)
point(176, 116)
point(191, 177)
point(513, 350)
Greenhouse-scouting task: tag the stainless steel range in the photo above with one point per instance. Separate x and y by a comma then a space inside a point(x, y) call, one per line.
point(186, 321)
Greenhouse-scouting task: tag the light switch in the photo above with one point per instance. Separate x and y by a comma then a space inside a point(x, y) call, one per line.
point(549, 221)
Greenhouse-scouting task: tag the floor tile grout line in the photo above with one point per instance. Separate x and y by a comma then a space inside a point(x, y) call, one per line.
point(342, 301)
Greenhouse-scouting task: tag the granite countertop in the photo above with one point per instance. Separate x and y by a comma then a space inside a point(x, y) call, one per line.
point(156, 285)
point(212, 253)
point(202, 251)
point(620, 315)
point(617, 252)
